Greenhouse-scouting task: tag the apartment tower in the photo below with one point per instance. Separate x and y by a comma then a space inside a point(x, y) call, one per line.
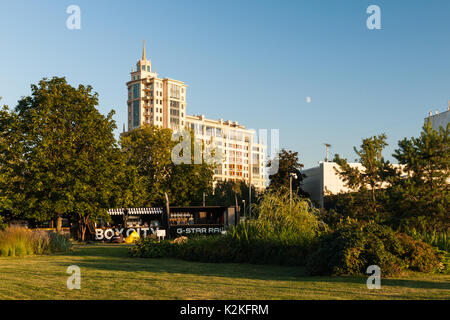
point(162, 102)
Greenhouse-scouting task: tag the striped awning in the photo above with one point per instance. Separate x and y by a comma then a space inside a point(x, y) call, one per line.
point(135, 211)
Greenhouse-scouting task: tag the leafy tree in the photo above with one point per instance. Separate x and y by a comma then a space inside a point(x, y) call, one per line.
point(130, 189)
point(376, 171)
point(149, 150)
point(70, 155)
point(232, 193)
point(421, 197)
point(10, 163)
point(288, 163)
point(188, 182)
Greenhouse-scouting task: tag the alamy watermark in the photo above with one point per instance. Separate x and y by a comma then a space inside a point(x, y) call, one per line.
point(374, 280)
point(74, 280)
point(73, 22)
point(198, 151)
point(374, 20)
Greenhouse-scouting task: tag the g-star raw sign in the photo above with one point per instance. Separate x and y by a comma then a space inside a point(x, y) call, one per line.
point(199, 230)
point(108, 233)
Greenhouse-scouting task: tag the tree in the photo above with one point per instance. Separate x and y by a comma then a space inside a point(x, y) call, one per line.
point(231, 193)
point(188, 182)
point(421, 197)
point(69, 153)
point(376, 171)
point(288, 163)
point(10, 163)
point(129, 189)
point(149, 150)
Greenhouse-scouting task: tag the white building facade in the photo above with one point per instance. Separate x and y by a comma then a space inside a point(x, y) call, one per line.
point(323, 180)
point(439, 119)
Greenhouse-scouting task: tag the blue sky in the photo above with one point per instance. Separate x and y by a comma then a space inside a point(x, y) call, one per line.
point(249, 61)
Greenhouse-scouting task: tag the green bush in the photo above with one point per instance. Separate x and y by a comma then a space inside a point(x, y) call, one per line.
point(444, 258)
point(208, 249)
point(58, 242)
point(353, 247)
point(20, 241)
point(418, 255)
point(152, 248)
point(291, 222)
point(439, 240)
point(3, 224)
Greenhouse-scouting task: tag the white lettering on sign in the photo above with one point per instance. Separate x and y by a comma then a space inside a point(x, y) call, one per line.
point(129, 231)
point(199, 230)
point(99, 234)
point(108, 234)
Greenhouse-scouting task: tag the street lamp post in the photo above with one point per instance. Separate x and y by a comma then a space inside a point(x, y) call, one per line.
point(243, 201)
point(291, 175)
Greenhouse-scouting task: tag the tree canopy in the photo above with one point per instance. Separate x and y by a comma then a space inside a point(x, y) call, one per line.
point(148, 149)
point(68, 153)
point(288, 163)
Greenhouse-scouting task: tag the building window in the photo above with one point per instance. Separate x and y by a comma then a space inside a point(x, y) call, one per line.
point(136, 113)
point(136, 91)
point(174, 91)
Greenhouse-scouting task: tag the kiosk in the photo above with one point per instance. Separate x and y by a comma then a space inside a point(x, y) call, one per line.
point(179, 221)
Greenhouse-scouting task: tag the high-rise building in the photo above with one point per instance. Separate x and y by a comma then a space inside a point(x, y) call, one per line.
point(162, 102)
point(153, 100)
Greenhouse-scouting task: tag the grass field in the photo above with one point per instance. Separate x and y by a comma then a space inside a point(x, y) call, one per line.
point(108, 273)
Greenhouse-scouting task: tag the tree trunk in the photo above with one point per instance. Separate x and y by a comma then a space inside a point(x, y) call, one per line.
point(83, 232)
point(59, 225)
point(82, 226)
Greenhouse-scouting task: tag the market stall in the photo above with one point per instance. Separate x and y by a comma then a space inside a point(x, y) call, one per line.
point(179, 221)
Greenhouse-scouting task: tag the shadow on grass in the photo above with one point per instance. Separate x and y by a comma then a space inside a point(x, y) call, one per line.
point(116, 258)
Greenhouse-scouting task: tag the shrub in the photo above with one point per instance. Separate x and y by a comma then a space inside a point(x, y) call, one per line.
point(234, 247)
point(208, 249)
point(3, 224)
point(437, 239)
point(355, 246)
point(58, 242)
point(16, 241)
point(444, 258)
point(20, 241)
point(418, 255)
point(290, 222)
point(152, 248)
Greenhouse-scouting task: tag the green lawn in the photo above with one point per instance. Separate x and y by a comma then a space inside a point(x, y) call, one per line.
point(108, 273)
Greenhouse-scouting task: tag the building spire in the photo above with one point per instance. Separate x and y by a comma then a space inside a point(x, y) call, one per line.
point(143, 52)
